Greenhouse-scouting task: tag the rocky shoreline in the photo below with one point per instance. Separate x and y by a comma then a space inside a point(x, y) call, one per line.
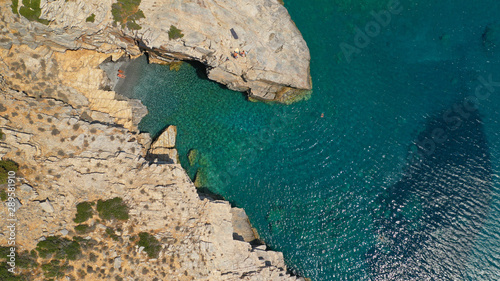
point(66, 157)
point(75, 141)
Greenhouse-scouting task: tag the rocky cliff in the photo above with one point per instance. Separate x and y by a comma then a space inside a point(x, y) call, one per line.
point(76, 141)
point(65, 160)
point(276, 65)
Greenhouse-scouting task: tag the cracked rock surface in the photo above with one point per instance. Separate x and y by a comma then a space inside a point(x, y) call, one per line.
point(276, 66)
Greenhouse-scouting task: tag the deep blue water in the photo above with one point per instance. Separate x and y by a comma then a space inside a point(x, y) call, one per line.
point(398, 181)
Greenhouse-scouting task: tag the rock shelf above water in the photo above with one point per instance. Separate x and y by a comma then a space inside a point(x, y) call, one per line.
point(276, 66)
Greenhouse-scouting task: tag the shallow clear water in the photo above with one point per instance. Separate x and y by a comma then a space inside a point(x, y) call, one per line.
point(398, 181)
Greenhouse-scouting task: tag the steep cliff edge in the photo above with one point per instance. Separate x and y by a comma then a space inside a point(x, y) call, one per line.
point(276, 65)
point(65, 160)
point(76, 141)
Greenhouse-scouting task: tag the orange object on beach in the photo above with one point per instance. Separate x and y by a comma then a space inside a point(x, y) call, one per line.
point(121, 75)
point(119, 70)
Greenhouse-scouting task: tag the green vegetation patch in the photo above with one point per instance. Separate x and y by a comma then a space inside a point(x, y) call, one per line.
point(111, 233)
point(6, 275)
point(23, 260)
point(32, 11)
point(6, 166)
point(112, 209)
point(26, 260)
point(174, 33)
point(54, 269)
point(127, 12)
point(84, 212)
point(151, 245)
point(3, 195)
point(91, 18)
point(15, 6)
point(59, 248)
point(83, 228)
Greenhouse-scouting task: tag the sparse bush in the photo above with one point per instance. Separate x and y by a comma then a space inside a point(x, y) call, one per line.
point(84, 212)
point(6, 275)
point(54, 269)
point(112, 209)
point(111, 232)
point(3, 195)
point(59, 248)
point(14, 6)
point(81, 274)
point(83, 228)
point(6, 166)
point(151, 245)
point(84, 243)
point(32, 11)
point(126, 13)
point(174, 33)
point(26, 260)
point(92, 257)
point(91, 18)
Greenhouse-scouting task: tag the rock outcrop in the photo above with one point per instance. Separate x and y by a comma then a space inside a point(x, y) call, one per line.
point(276, 66)
point(163, 148)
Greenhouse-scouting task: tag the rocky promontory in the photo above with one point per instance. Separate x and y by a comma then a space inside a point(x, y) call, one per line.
point(276, 61)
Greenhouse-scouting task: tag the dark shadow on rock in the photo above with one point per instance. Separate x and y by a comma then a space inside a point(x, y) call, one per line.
point(428, 221)
point(201, 69)
point(204, 192)
point(201, 72)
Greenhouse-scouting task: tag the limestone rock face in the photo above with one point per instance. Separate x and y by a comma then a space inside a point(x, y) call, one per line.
point(163, 147)
point(242, 228)
point(73, 77)
point(166, 139)
point(277, 56)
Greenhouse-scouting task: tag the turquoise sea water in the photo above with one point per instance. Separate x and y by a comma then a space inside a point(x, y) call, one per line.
point(398, 181)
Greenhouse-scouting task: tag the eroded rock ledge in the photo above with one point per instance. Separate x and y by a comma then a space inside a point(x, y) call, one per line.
point(276, 66)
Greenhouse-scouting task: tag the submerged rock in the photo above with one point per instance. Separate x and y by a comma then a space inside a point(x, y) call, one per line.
point(193, 156)
point(491, 36)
